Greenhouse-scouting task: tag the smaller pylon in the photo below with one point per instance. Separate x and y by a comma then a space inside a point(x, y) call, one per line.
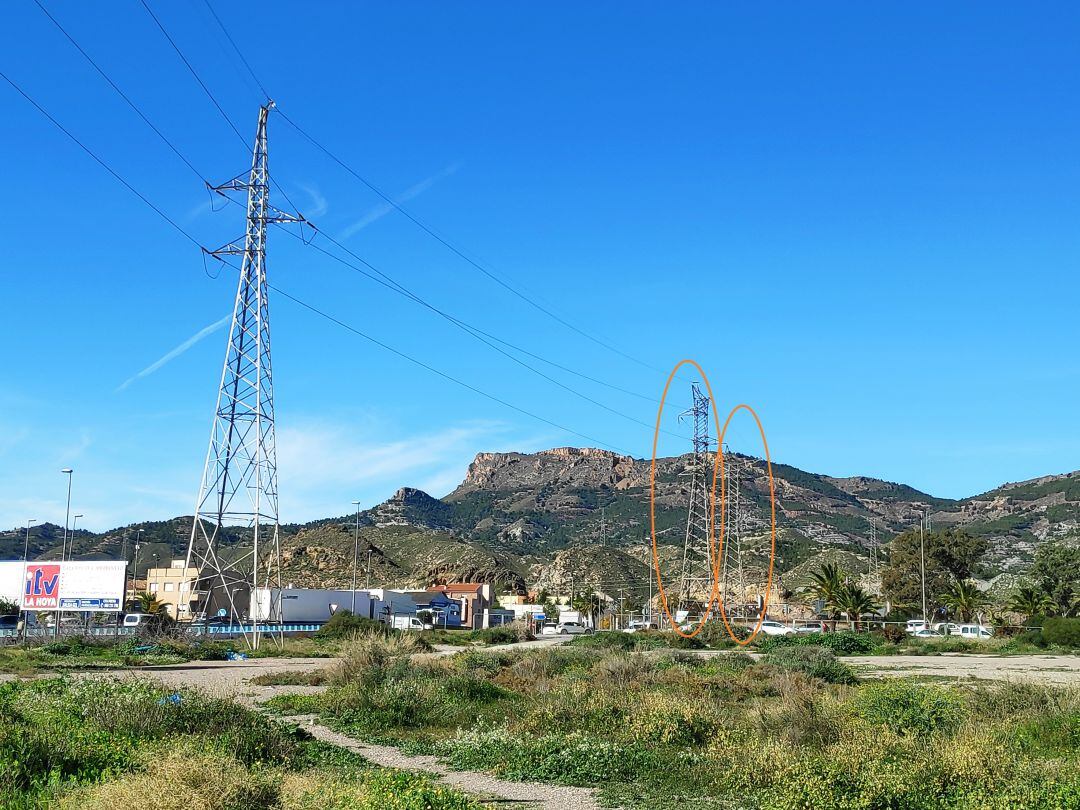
point(696, 574)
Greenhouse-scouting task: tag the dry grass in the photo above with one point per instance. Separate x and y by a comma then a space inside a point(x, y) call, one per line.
point(365, 654)
point(186, 778)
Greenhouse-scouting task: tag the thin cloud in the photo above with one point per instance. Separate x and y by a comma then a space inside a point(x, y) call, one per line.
point(179, 350)
point(319, 205)
point(382, 209)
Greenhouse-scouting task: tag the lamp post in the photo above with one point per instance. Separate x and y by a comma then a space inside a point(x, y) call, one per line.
point(71, 545)
point(67, 515)
point(63, 549)
point(355, 554)
point(25, 553)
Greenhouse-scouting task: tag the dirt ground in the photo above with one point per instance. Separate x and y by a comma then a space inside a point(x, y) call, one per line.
point(233, 679)
point(1059, 670)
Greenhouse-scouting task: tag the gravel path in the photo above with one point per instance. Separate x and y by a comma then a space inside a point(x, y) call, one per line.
point(232, 679)
point(527, 794)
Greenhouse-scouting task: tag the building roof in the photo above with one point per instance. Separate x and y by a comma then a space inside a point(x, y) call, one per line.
point(471, 587)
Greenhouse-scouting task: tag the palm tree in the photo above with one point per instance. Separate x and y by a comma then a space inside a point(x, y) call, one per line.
point(964, 598)
point(149, 604)
point(1030, 601)
point(855, 603)
point(827, 582)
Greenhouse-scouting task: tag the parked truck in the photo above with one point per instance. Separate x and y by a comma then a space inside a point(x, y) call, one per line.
point(408, 623)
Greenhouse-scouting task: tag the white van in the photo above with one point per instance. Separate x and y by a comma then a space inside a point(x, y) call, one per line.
point(915, 625)
point(137, 619)
point(408, 623)
point(976, 631)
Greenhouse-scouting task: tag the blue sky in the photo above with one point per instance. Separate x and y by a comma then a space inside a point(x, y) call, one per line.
point(862, 219)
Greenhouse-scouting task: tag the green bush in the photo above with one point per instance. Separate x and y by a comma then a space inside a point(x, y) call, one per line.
point(1062, 632)
point(843, 643)
point(817, 662)
point(909, 708)
point(344, 624)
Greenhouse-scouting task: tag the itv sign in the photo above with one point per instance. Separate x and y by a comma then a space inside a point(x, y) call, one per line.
point(41, 590)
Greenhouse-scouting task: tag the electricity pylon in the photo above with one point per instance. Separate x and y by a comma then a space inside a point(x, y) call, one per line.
point(696, 576)
point(873, 583)
point(240, 483)
point(733, 566)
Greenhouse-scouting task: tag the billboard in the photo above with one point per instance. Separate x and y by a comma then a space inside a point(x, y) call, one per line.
point(91, 585)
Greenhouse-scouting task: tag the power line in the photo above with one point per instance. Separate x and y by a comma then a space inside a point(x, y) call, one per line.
point(194, 73)
point(484, 337)
point(304, 304)
point(455, 250)
point(119, 92)
point(100, 161)
point(405, 212)
point(442, 374)
point(392, 284)
point(236, 48)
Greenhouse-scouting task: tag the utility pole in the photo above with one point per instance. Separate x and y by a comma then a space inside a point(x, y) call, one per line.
point(696, 575)
point(240, 480)
point(922, 564)
point(25, 554)
point(355, 554)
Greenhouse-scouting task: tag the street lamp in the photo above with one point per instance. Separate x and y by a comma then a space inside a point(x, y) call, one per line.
point(74, 523)
point(67, 515)
point(355, 553)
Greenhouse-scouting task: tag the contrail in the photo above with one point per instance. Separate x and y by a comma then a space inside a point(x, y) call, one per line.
point(179, 350)
point(382, 209)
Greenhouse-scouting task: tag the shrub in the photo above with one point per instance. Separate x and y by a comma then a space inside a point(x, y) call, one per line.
point(909, 708)
point(344, 623)
point(1062, 632)
point(894, 633)
point(816, 662)
point(842, 643)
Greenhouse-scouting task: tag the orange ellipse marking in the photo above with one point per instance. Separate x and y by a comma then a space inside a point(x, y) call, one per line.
point(718, 469)
point(772, 550)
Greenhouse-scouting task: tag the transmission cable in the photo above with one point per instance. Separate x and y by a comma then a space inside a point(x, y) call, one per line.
point(442, 374)
point(412, 217)
point(116, 175)
point(194, 73)
point(389, 282)
point(455, 250)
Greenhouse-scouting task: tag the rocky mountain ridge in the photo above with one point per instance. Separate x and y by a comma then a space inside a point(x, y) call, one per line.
point(542, 519)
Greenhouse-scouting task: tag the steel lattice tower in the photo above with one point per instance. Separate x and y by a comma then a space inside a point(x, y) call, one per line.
point(696, 576)
point(732, 562)
point(240, 482)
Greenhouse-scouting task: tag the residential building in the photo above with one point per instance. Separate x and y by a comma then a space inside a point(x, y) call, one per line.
point(174, 587)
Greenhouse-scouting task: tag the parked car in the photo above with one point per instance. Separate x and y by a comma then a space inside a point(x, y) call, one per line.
point(771, 628)
point(563, 629)
point(915, 625)
point(976, 631)
point(9, 622)
point(572, 628)
point(813, 627)
point(637, 625)
point(927, 633)
point(946, 628)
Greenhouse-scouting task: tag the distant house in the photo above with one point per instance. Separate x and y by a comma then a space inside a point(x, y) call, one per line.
point(471, 599)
